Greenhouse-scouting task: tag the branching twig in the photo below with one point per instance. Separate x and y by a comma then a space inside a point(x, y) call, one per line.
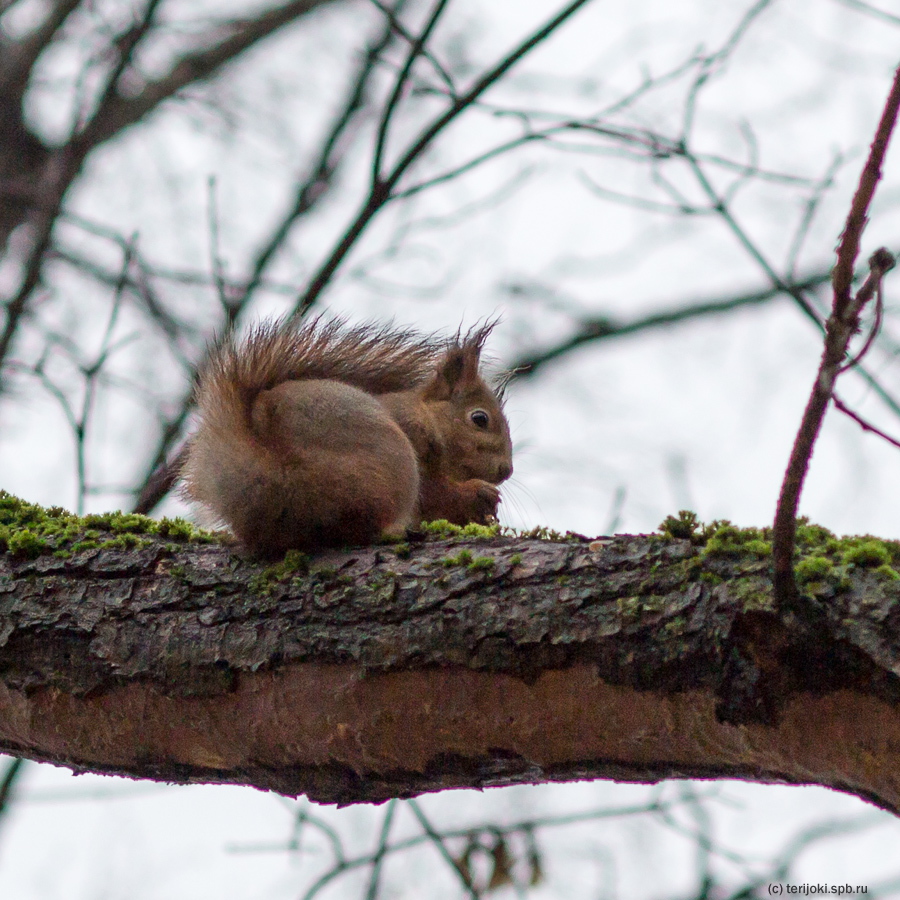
point(380, 192)
point(842, 324)
point(381, 851)
point(438, 841)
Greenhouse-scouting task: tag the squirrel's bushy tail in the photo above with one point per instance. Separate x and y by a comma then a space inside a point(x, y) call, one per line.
point(274, 472)
point(375, 359)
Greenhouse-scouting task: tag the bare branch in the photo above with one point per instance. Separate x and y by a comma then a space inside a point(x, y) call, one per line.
point(311, 190)
point(20, 56)
point(598, 329)
point(840, 329)
point(239, 35)
point(415, 50)
point(576, 679)
point(870, 10)
point(381, 188)
point(438, 842)
point(162, 472)
point(848, 248)
point(11, 775)
point(842, 324)
point(866, 426)
point(126, 44)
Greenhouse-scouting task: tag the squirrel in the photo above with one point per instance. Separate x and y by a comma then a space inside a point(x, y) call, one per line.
point(321, 435)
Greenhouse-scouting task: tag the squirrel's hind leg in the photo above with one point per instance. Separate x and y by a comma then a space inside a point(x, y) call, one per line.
point(320, 463)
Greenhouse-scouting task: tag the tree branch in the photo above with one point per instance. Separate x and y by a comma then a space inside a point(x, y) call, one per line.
point(240, 35)
point(381, 188)
point(842, 325)
point(389, 671)
point(604, 328)
point(20, 56)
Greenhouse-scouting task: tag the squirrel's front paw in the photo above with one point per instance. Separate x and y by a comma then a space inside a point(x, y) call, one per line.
point(483, 499)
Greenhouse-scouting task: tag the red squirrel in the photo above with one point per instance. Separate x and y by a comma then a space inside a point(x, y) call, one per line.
point(321, 434)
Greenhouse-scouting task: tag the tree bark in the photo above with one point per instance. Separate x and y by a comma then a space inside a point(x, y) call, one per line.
point(389, 671)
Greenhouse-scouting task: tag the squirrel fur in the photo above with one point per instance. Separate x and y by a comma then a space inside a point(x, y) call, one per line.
point(322, 434)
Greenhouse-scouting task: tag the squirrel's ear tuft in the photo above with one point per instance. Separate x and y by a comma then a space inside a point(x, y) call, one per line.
point(457, 370)
point(451, 376)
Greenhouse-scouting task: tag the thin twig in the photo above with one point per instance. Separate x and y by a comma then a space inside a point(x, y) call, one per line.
point(874, 331)
point(381, 851)
point(11, 774)
point(415, 51)
point(438, 842)
point(866, 426)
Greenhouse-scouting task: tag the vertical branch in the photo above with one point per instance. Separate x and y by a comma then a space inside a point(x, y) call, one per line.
point(842, 324)
point(848, 249)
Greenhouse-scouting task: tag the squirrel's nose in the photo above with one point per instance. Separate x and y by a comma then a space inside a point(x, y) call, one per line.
point(504, 470)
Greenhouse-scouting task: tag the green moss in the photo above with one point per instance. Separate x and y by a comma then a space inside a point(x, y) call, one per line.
point(515, 559)
point(125, 541)
point(541, 533)
point(759, 548)
point(403, 550)
point(754, 593)
point(176, 529)
point(812, 535)
point(443, 528)
point(77, 547)
point(480, 531)
point(730, 541)
point(636, 608)
point(25, 543)
point(463, 558)
point(813, 568)
point(122, 523)
point(27, 529)
point(888, 572)
point(481, 564)
point(870, 553)
point(294, 563)
point(684, 526)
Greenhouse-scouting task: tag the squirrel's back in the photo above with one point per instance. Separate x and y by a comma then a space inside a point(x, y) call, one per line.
point(375, 359)
point(322, 434)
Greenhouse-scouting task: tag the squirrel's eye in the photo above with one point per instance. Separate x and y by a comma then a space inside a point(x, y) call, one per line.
point(480, 418)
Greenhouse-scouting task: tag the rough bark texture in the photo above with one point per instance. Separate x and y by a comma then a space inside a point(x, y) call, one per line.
point(382, 672)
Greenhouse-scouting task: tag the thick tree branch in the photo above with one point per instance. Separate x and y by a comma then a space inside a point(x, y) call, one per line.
point(20, 56)
point(389, 671)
